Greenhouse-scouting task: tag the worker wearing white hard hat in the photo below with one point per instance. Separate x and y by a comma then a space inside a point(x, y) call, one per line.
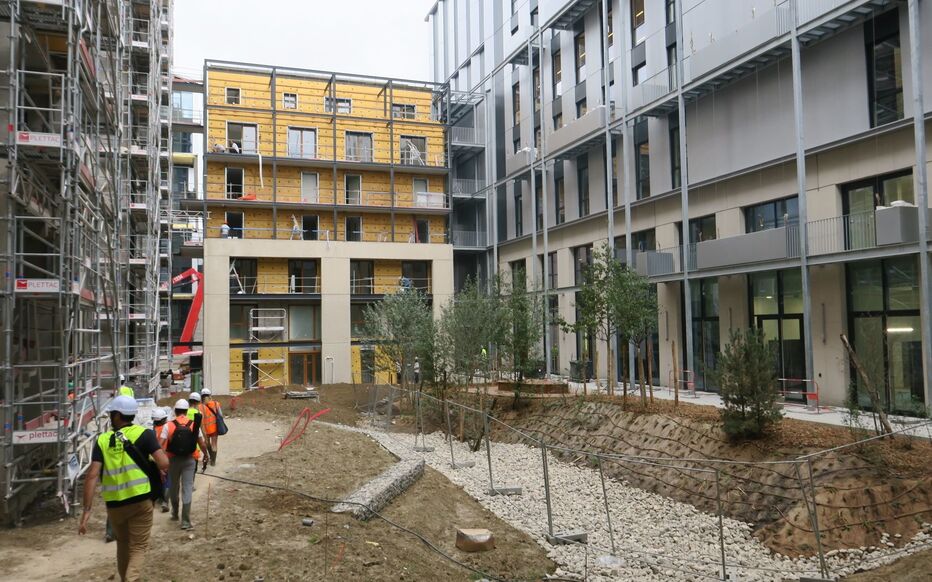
point(180, 439)
point(212, 424)
point(159, 422)
point(118, 455)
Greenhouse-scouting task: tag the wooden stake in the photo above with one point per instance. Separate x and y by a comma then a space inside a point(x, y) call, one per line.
point(650, 368)
point(676, 377)
point(872, 393)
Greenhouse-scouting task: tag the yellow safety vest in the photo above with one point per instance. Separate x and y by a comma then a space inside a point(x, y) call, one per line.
point(127, 391)
point(121, 477)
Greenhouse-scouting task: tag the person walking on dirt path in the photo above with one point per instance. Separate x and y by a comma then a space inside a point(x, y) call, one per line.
point(159, 425)
point(210, 409)
point(194, 413)
point(181, 442)
point(124, 389)
point(119, 460)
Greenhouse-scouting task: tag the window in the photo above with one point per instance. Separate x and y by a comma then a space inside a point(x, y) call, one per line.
point(884, 68)
point(183, 108)
point(354, 228)
point(582, 258)
point(309, 227)
point(302, 143)
point(303, 276)
point(403, 111)
point(310, 188)
point(182, 143)
point(614, 175)
point(776, 301)
point(705, 328)
point(552, 269)
point(183, 181)
point(536, 84)
point(773, 214)
point(232, 96)
point(581, 108)
point(671, 11)
point(516, 103)
point(234, 183)
point(582, 184)
point(357, 320)
point(361, 277)
point(519, 211)
point(642, 159)
point(239, 321)
point(352, 189)
point(289, 100)
point(557, 64)
point(358, 146)
point(580, 48)
point(419, 185)
point(701, 229)
point(242, 138)
point(644, 240)
point(518, 273)
point(859, 199)
point(343, 106)
point(417, 273)
point(557, 121)
point(673, 123)
point(304, 367)
point(516, 144)
point(671, 67)
point(236, 222)
point(243, 279)
point(539, 202)
point(413, 150)
point(639, 74)
point(559, 200)
point(637, 20)
point(304, 322)
point(422, 231)
point(611, 30)
point(537, 136)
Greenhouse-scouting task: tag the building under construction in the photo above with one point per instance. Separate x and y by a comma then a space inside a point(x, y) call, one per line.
point(85, 196)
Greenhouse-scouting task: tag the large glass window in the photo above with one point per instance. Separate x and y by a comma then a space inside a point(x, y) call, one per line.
point(637, 21)
point(582, 184)
point(557, 64)
point(559, 200)
point(673, 122)
point(413, 150)
point(705, 329)
point(776, 309)
point(303, 276)
point(884, 68)
point(702, 228)
point(516, 103)
point(885, 328)
point(773, 214)
point(519, 211)
point(304, 322)
point(579, 44)
point(358, 146)
point(582, 258)
point(302, 143)
point(361, 277)
point(242, 138)
point(642, 159)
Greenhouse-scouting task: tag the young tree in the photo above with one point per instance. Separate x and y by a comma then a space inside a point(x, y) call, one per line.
point(745, 375)
point(523, 326)
point(401, 325)
point(595, 314)
point(472, 322)
point(632, 302)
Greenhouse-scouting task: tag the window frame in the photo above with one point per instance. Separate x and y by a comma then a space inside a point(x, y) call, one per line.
point(579, 54)
point(404, 112)
point(401, 150)
point(346, 228)
point(226, 95)
point(285, 95)
point(518, 197)
point(371, 156)
point(242, 139)
point(332, 105)
point(226, 182)
point(301, 131)
point(556, 73)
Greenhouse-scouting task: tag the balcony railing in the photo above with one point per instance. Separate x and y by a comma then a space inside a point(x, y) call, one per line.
point(466, 186)
point(273, 284)
point(466, 135)
point(384, 284)
point(850, 232)
point(469, 238)
point(187, 115)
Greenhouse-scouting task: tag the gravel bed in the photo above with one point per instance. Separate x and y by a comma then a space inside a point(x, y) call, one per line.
point(656, 538)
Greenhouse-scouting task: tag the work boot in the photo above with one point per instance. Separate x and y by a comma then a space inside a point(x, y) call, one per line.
point(186, 516)
point(174, 516)
point(213, 457)
point(164, 507)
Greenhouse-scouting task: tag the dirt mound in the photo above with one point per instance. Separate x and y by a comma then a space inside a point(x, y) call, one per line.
point(882, 487)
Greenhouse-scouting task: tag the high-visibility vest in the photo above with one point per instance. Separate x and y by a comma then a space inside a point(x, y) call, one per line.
point(165, 433)
point(209, 422)
point(127, 391)
point(121, 477)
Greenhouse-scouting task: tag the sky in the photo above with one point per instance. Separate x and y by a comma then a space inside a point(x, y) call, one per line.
point(376, 37)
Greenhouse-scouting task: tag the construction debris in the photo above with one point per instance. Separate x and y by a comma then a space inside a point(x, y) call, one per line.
point(475, 540)
point(304, 394)
point(378, 492)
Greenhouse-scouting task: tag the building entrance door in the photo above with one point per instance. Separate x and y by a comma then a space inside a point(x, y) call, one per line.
point(784, 336)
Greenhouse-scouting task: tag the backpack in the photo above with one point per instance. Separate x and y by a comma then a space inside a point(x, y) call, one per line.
point(183, 441)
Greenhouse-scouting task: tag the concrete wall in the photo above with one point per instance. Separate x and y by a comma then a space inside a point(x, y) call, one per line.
point(335, 294)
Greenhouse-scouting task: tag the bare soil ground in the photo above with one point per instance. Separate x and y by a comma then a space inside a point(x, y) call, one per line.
point(915, 568)
point(256, 533)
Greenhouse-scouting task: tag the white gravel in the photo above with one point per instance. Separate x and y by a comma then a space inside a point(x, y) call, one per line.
point(656, 538)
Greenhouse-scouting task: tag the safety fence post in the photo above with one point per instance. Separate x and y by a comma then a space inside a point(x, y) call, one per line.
point(823, 567)
point(488, 450)
point(608, 513)
point(543, 454)
point(721, 523)
point(446, 413)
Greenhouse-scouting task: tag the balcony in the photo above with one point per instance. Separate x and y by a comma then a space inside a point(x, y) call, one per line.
point(466, 187)
point(187, 116)
point(464, 138)
point(863, 231)
point(775, 244)
point(564, 13)
point(577, 133)
point(274, 285)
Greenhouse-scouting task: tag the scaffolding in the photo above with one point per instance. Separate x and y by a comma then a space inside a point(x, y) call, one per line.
point(79, 229)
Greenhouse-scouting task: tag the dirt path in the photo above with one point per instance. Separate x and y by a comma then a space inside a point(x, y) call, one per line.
point(65, 552)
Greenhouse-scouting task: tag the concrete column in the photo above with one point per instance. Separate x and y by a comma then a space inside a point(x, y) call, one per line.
point(216, 313)
point(336, 348)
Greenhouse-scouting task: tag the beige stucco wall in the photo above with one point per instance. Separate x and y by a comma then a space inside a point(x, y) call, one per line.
point(335, 294)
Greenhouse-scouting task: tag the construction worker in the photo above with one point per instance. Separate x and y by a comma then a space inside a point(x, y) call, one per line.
point(209, 410)
point(181, 439)
point(194, 401)
point(159, 425)
point(125, 484)
point(124, 389)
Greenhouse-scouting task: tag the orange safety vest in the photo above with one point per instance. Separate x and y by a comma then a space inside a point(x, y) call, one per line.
point(168, 430)
point(209, 422)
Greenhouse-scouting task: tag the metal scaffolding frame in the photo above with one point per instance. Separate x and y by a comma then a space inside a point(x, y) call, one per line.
point(79, 228)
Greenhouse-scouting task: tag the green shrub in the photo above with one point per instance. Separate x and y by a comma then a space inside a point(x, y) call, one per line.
point(745, 375)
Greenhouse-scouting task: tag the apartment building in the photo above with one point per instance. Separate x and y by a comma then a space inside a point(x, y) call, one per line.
point(758, 161)
point(85, 171)
point(322, 193)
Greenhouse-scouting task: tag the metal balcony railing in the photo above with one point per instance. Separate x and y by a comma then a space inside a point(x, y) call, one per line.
point(273, 284)
point(187, 115)
point(466, 186)
point(850, 232)
point(469, 238)
point(384, 284)
point(467, 135)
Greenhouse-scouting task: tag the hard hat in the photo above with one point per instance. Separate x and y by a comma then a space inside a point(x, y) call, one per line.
point(122, 378)
point(182, 404)
point(159, 414)
point(205, 392)
point(194, 396)
point(124, 405)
